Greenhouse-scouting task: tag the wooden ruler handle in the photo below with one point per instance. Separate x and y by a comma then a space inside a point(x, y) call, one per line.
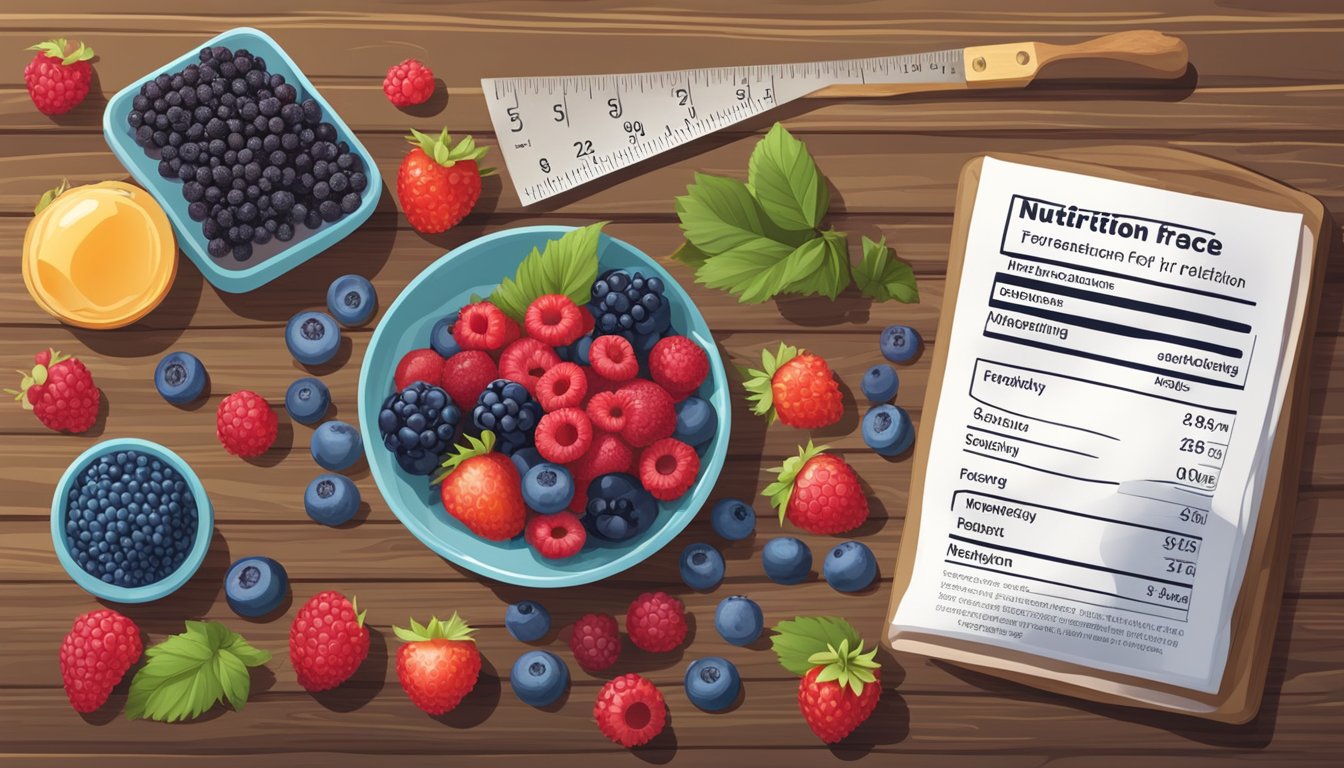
point(1167, 56)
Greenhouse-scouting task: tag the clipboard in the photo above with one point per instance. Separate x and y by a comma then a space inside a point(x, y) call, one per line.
point(1256, 611)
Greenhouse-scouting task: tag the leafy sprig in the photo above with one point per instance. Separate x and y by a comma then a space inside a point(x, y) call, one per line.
point(189, 673)
point(567, 265)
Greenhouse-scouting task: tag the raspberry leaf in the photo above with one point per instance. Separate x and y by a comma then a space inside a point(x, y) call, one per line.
point(832, 275)
point(882, 277)
point(781, 490)
point(475, 447)
point(566, 266)
point(796, 641)
point(784, 179)
point(188, 673)
point(690, 255)
point(756, 276)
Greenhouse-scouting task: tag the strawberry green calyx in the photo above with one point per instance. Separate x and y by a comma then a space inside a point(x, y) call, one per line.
point(35, 378)
point(797, 640)
point(447, 154)
point(848, 667)
point(474, 447)
point(359, 615)
point(781, 490)
point(455, 628)
point(56, 50)
point(761, 395)
point(50, 195)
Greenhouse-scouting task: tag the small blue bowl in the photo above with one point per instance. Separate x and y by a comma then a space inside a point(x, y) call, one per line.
point(447, 284)
point(205, 525)
point(266, 265)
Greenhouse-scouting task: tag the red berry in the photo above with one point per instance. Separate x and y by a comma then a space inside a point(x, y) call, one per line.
point(525, 360)
point(60, 392)
point(467, 374)
point(651, 415)
point(58, 81)
point(327, 641)
point(408, 83)
point(595, 642)
point(630, 710)
point(608, 409)
point(613, 358)
point(608, 454)
point(555, 319)
point(439, 182)
point(564, 386)
point(95, 655)
point(656, 622)
point(556, 536)
point(484, 326)
point(668, 468)
point(679, 365)
point(245, 424)
point(418, 365)
point(563, 436)
point(597, 384)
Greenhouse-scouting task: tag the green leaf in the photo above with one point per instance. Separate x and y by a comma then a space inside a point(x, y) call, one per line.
point(755, 277)
point(785, 181)
point(187, 674)
point(882, 277)
point(567, 266)
point(795, 641)
point(690, 255)
point(718, 214)
point(832, 276)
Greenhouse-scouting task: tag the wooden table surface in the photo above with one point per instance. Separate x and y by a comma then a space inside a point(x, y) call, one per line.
point(1266, 91)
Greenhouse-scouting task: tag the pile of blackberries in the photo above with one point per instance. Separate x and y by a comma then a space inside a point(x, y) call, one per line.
point(255, 161)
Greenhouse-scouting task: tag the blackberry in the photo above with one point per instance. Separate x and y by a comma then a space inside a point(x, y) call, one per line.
point(618, 508)
point(506, 408)
point(418, 425)
point(629, 305)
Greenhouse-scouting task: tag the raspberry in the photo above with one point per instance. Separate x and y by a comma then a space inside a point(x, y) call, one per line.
point(525, 360)
point(556, 536)
point(595, 642)
point(467, 374)
point(327, 641)
point(651, 415)
point(563, 386)
point(245, 424)
point(668, 468)
point(419, 365)
point(95, 655)
point(608, 409)
point(597, 384)
point(565, 435)
point(58, 80)
point(679, 365)
point(656, 622)
point(630, 710)
point(613, 358)
point(408, 83)
point(484, 326)
point(554, 319)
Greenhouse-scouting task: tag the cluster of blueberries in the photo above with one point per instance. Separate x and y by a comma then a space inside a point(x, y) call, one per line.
point(256, 161)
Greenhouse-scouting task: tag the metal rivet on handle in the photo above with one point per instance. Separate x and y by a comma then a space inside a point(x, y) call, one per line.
point(978, 64)
point(1023, 57)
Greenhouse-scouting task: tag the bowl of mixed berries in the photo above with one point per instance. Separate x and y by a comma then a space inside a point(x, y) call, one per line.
point(544, 406)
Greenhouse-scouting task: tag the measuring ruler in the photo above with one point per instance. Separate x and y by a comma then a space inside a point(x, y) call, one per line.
point(559, 132)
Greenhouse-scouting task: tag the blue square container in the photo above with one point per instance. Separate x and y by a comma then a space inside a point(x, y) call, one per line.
point(168, 192)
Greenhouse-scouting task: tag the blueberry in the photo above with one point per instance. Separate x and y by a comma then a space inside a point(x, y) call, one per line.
point(900, 343)
point(887, 430)
point(539, 678)
point(307, 400)
point(331, 499)
point(712, 683)
point(880, 383)
point(739, 620)
point(441, 337)
point(528, 621)
point(255, 586)
point(696, 421)
point(312, 337)
point(336, 446)
point(351, 300)
point(548, 488)
point(701, 567)
point(786, 560)
point(733, 519)
point(850, 567)
point(179, 377)
point(619, 508)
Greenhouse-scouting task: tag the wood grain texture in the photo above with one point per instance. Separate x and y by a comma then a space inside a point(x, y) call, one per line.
point(1266, 91)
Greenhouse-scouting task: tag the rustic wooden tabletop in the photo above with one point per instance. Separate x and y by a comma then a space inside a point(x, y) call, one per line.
point(1266, 90)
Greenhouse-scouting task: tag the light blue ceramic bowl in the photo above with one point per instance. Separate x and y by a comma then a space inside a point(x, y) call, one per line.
point(205, 525)
point(271, 260)
point(477, 267)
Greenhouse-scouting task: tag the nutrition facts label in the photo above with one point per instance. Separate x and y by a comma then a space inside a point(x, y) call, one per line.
point(1112, 360)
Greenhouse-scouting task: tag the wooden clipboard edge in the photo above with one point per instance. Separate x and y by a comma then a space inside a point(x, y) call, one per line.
point(1256, 612)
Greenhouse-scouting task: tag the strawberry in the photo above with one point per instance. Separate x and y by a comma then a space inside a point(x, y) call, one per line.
point(797, 387)
point(483, 489)
point(95, 655)
point(840, 692)
point(439, 183)
point(58, 81)
point(327, 641)
point(60, 391)
point(439, 663)
point(818, 492)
